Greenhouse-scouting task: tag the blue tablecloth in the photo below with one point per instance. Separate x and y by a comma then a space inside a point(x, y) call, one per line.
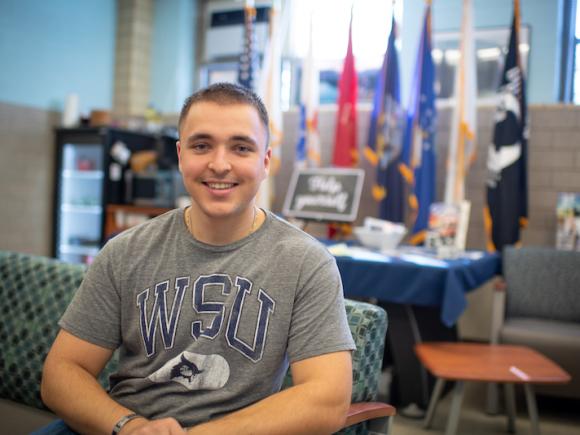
point(411, 278)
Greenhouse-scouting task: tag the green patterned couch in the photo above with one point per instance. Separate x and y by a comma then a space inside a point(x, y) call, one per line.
point(34, 292)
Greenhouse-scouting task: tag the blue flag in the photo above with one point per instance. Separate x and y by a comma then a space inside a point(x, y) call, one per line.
point(418, 166)
point(301, 155)
point(248, 64)
point(507, 192)
point(385, 141)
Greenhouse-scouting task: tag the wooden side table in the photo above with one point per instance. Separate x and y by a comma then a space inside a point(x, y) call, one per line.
point(499, 363)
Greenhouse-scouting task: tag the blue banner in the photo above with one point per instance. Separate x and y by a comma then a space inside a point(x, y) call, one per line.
point(386, 136)
point(418, 165)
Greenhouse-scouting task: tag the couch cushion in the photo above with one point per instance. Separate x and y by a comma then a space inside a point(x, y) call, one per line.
point(559, 341)
point(542, 283)
point(559, 334)
point(34, 292)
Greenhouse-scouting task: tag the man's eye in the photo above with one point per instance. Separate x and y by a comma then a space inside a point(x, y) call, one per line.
point(243, 148)
point(199, 147)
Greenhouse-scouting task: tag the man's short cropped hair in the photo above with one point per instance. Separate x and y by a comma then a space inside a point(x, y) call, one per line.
point(227, 93)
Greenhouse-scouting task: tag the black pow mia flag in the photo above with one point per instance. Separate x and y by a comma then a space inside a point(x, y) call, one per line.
point(507, 187)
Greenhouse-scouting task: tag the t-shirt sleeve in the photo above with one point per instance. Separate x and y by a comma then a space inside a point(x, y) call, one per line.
point(319, 323)
point(94, 313)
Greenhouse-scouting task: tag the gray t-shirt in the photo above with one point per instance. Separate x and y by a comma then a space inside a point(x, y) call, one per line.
point(205, 330)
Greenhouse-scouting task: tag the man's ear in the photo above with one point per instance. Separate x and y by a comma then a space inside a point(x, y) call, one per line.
point(178, 147)
point(267, 161)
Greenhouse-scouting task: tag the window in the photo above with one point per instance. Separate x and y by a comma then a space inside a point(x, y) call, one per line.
point(371, 27)
point(491, 49)
point(569, 85)
point(370, 31)
point(576, 82)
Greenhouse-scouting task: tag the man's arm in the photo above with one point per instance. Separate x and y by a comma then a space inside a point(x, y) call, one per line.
point(70, 388)
point(317, 403)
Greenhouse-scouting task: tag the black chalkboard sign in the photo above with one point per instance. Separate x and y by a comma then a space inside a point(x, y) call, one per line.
point(324, 194)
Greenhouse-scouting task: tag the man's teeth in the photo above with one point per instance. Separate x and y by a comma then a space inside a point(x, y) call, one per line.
point(220, 185)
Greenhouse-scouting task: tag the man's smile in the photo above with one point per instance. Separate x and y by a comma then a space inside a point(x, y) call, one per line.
point(219, 185)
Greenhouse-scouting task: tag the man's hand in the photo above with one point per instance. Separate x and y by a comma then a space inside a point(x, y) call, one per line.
point(142, 426)
point(70, 388)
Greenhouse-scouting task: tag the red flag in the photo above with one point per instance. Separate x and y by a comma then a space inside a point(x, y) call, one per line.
point(345, 142)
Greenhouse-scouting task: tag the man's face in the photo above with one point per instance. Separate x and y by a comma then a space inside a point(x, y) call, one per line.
point(222, 157)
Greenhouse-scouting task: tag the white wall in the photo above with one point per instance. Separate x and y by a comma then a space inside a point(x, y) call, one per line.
point(52, 48)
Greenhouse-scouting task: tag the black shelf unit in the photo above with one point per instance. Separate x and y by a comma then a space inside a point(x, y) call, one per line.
point(87, 178)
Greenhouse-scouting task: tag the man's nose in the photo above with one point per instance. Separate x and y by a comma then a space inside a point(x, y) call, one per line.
point(219, 162)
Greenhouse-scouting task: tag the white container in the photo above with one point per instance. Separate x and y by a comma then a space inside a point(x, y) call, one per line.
point(70, 114)
point(375, 239)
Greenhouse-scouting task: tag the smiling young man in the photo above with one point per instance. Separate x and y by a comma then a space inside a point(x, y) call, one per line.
point(209, 305)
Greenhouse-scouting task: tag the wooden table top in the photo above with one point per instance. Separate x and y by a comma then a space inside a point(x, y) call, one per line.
point(489, 363)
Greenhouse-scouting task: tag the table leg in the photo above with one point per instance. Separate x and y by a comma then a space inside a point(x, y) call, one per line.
point(409, 325)
point(492, 405)
point(408, 378)
point(532, 409)
point(439, 384)
point(510, 404)
point(455, 410)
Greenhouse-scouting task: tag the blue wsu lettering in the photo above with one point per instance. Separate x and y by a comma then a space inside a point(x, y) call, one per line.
point(206, 289)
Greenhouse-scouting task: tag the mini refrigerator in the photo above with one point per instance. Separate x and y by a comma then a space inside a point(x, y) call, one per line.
point(87, 179)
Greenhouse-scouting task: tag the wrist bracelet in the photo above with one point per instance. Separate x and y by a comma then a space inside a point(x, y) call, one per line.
point(123, 421)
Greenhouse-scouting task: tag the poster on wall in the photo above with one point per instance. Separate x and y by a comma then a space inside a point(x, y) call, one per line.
point(568, 222)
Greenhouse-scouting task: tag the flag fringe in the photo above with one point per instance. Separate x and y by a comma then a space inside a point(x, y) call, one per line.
point(488, 225)
point(371, 156)
point(413, 202)
point(418, 238)
point(407, 173)
point(379, 193)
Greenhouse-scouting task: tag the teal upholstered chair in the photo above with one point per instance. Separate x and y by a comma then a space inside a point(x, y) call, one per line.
point(368, 326)
point(35, 291)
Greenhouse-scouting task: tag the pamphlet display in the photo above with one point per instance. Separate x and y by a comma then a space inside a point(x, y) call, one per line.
point(448, 228)
point(568, 218)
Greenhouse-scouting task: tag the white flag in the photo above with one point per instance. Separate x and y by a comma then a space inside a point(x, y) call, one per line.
point(308, 148)
point(464, 125)
point(269, 91)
